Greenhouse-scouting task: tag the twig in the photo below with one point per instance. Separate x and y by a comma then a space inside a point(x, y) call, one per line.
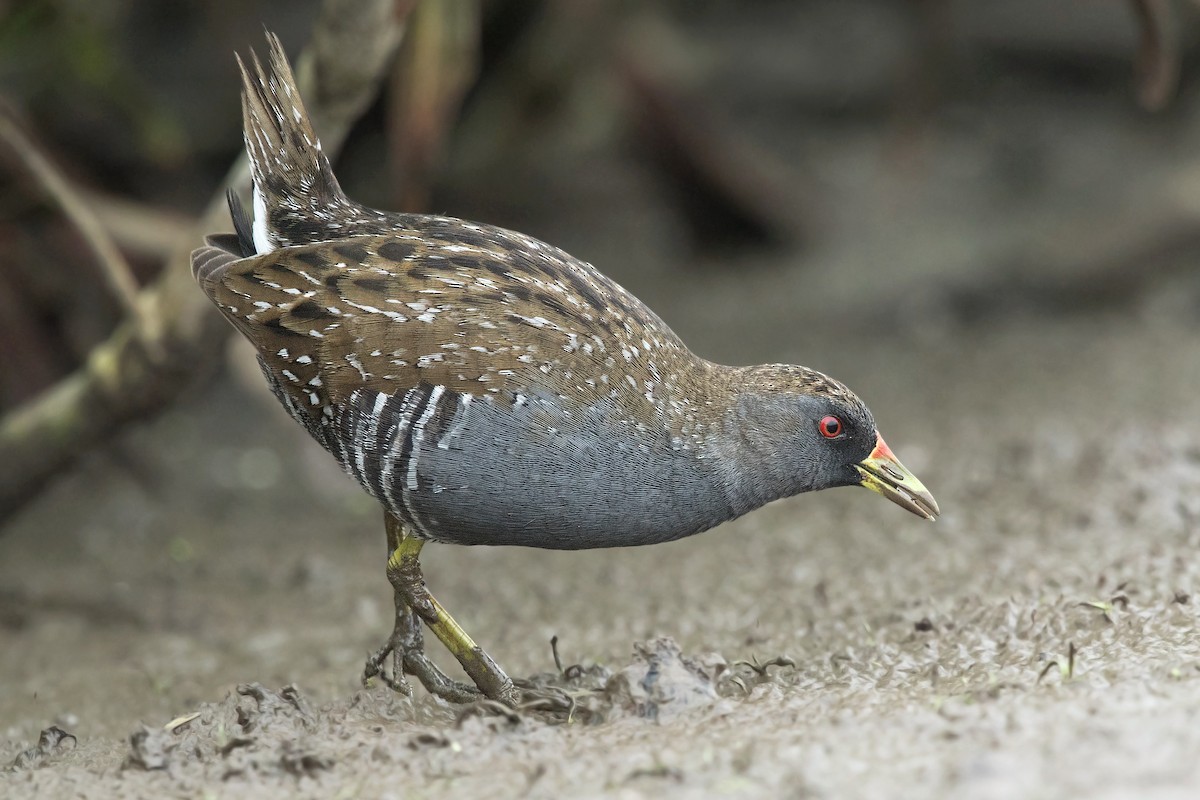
point(1157, 64)
point(114, 268)
point(1099, 276)
point(559, 43)
point(139, 228)
point(728, 191)
point(436, 66)
point(149, 360)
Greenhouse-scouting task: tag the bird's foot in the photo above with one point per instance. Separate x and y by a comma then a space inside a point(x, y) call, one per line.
point(548, 704)
point(518, 697)
point(415, 607)
point(405, 637)
point(374, 668)
point(549, 700)
point(407, 651)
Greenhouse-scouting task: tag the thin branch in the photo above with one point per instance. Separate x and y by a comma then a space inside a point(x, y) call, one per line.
point(728, 192)
point(1101, 277)
point(436, 66)
point(1157, 64)
point(149, 360)
point(114, 268)
point(139, 228)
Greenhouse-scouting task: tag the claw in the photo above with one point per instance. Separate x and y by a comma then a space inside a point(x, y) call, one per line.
point(394, 680)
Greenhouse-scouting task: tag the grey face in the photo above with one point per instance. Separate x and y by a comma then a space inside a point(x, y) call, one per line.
point(830, 440)
point(840, 433)
point(792, 443)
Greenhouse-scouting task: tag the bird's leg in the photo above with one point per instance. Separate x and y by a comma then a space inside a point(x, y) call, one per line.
point(396, 646)
point(407, 648)
point(436, 682)
point(406, 645)
point(406, 631)
point(404, 571)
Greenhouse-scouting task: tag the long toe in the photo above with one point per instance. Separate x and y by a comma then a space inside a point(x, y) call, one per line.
point(374, 667)
point(436, 682)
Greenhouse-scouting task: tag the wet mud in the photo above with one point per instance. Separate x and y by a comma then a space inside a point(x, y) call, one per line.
point(1039, 639)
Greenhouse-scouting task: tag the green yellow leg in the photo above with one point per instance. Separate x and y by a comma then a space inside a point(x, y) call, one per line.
point(404, 571)
point(406, 648)
point(414, 605)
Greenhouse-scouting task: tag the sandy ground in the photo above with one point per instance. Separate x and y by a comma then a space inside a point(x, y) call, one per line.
point(1038, 641)
point(929, 660)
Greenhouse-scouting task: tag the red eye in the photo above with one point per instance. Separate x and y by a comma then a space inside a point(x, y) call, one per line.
point(830, 427)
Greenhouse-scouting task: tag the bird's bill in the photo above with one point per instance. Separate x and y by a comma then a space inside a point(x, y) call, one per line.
point(882, 472)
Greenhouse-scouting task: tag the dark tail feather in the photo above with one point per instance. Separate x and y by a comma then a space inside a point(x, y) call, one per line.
point(241, 223)
point(293, 181)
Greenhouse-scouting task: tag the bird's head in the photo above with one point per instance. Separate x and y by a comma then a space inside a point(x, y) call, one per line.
point(808, 432)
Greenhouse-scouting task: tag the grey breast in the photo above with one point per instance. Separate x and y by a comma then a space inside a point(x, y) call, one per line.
point(466, 469)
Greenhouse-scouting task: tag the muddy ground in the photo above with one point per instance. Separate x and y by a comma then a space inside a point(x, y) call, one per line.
point(1039, 640)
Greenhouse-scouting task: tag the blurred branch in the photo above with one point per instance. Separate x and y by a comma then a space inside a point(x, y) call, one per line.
point(722, 184)
point(1157, 65)
point(727, 189)
point(921, 81)
point(1110, 264)
point(560, 45)
point(150, 359)
point(136, 227)
point(603, 65)
point(437, 64)
point(113, 266)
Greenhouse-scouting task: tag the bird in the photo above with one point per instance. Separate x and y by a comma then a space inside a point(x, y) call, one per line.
point(487, 388)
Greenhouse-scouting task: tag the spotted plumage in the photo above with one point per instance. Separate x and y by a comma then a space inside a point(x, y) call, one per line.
point(489, 388)
point(358, 340)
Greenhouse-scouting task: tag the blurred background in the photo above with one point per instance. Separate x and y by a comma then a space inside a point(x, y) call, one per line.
point(984, 216)
point(1040, 156)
